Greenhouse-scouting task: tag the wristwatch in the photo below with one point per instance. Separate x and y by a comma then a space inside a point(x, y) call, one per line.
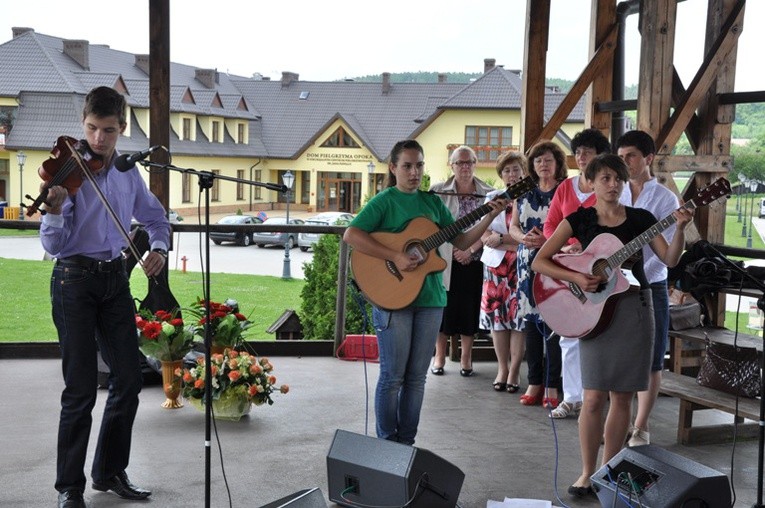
point(161, 252)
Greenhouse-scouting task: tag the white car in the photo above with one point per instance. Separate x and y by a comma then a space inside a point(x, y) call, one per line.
point(307, 240)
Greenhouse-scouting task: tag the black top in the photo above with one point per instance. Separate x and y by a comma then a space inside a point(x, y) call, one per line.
point(584, 223)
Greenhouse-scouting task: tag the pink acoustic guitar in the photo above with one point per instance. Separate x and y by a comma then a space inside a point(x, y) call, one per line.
point(571, 312)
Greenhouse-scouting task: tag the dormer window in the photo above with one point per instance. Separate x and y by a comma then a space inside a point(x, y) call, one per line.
point(340, 139)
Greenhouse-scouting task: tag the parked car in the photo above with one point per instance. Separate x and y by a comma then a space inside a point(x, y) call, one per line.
point(262, 239)
point(306, 240)
point(238, 237)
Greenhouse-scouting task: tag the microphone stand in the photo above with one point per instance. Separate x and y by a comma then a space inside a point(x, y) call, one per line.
point(758, 284)
point(206, 179)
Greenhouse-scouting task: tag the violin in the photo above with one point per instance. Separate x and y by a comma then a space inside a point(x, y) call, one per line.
point(70, 159)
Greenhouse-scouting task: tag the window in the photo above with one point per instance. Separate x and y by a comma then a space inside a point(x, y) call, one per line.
point(488, 142)
point(187, 128)
point(215, 132)
point(305, 186)
point(258, 178)
point(340, 138)
point(239, 185)
point(240, 133)
point(215, 190)
point(186, 188)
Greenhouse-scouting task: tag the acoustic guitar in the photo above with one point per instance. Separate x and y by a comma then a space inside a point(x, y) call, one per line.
point(387, 287)
point(572, 312)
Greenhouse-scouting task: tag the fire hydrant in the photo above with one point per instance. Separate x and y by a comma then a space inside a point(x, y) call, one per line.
point(183, 266)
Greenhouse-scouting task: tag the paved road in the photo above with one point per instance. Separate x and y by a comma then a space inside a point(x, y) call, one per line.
point(225, 258)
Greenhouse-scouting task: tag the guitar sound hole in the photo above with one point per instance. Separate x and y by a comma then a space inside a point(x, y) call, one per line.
point(417, 251)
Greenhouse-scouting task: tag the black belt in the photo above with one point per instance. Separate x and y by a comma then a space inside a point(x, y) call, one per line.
point(94, 265)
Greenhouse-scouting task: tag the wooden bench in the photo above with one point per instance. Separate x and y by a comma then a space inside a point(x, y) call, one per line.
point(686, 354)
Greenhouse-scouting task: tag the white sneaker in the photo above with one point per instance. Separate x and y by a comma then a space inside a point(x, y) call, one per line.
point(566, 409)
point(639, 437)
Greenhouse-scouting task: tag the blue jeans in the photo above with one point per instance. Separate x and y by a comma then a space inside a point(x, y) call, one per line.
point(660, 296)
point(406, 339)
point(92, 308)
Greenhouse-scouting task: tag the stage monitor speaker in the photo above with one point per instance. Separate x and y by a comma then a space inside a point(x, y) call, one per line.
point(308, 498)
point(652, 477)
point(363, 470)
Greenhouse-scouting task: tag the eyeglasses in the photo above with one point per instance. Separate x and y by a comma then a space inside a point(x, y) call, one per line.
point(463, 163)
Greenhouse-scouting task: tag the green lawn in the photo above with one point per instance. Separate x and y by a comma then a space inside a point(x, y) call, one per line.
point(25, 285)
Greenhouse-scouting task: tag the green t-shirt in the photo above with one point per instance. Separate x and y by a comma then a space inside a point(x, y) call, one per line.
point(390, 211)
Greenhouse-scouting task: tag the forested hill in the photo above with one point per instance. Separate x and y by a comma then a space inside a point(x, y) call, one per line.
point(749, 123)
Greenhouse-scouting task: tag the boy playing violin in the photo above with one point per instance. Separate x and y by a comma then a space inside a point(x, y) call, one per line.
point(90, 293)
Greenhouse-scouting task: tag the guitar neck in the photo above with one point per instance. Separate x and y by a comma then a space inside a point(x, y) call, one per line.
point(645, 238)
point(449, 232)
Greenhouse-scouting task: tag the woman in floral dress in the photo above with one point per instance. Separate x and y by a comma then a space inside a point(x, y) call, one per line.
point(548, 169)
point(499, 303)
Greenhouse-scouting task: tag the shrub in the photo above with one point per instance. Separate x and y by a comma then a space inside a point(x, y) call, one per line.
point(319, 295)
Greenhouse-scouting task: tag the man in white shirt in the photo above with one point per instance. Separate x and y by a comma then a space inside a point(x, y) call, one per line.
point(637, 150)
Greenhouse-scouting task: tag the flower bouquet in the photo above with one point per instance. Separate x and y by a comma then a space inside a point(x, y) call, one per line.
point(226, 322)
point(239, 380)
point(164, 336)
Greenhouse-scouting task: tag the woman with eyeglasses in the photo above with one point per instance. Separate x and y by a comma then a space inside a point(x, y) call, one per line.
point(548, 168)
point(462, 193)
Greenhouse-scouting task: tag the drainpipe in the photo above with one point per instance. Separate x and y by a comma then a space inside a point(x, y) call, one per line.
point(623, 10)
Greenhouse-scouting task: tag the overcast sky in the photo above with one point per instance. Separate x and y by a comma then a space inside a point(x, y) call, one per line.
point(324, 41)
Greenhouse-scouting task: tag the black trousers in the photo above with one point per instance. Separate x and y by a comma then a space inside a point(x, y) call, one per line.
point(543, 371)
point(85, 301)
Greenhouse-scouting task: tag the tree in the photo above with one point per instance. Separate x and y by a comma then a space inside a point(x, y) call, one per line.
point(319, 295)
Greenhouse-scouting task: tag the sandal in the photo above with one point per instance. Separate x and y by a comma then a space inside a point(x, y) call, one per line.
point(531, 400)
point(499, 387)
point(511, 388)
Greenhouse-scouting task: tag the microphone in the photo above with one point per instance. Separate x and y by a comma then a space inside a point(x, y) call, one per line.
point(126, 162)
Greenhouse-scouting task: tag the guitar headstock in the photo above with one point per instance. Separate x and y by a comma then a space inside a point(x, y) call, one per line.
point(716, 190)
point(519, 188)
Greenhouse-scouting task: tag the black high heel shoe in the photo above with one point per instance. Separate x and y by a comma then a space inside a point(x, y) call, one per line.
point(466, 372)
point(499, 387)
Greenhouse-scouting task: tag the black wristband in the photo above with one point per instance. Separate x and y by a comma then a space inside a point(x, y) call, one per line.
point(161, 252)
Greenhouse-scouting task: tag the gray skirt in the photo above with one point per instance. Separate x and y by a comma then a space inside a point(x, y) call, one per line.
point(619, 359)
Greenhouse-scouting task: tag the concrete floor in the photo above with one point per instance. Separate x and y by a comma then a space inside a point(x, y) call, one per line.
point(504, 449)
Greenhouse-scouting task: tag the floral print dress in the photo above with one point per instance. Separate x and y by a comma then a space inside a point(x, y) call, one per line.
point(499, 302)
point(532, 211)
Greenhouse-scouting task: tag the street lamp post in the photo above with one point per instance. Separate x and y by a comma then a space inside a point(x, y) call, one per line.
point(742, 184)
point(21, 157)
point(287, 179)
point(752, 187)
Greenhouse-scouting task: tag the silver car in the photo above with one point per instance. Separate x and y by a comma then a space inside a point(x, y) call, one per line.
point(307, 240)
point(261, 239)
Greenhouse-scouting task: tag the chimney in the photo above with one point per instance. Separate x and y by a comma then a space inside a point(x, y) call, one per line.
point(386, 83)
point(488, 64)
point(78, 50)
point(288, 77)
point(442, 77)
point(21, 30)
point(142, 62)
point(208, 77)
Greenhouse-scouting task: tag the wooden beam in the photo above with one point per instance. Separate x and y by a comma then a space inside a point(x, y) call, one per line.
point(695, 163)
point(159, 95)
point(705, 76)
point(534, 65)
point(657, 28)
point(602, 56)
point(602, 19)
point(678, 92)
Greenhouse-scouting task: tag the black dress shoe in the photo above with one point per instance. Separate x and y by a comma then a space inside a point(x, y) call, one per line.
point(120, 485)
point(71, 499)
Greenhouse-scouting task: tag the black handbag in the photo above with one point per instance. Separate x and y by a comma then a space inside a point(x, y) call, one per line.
point(734, 370)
